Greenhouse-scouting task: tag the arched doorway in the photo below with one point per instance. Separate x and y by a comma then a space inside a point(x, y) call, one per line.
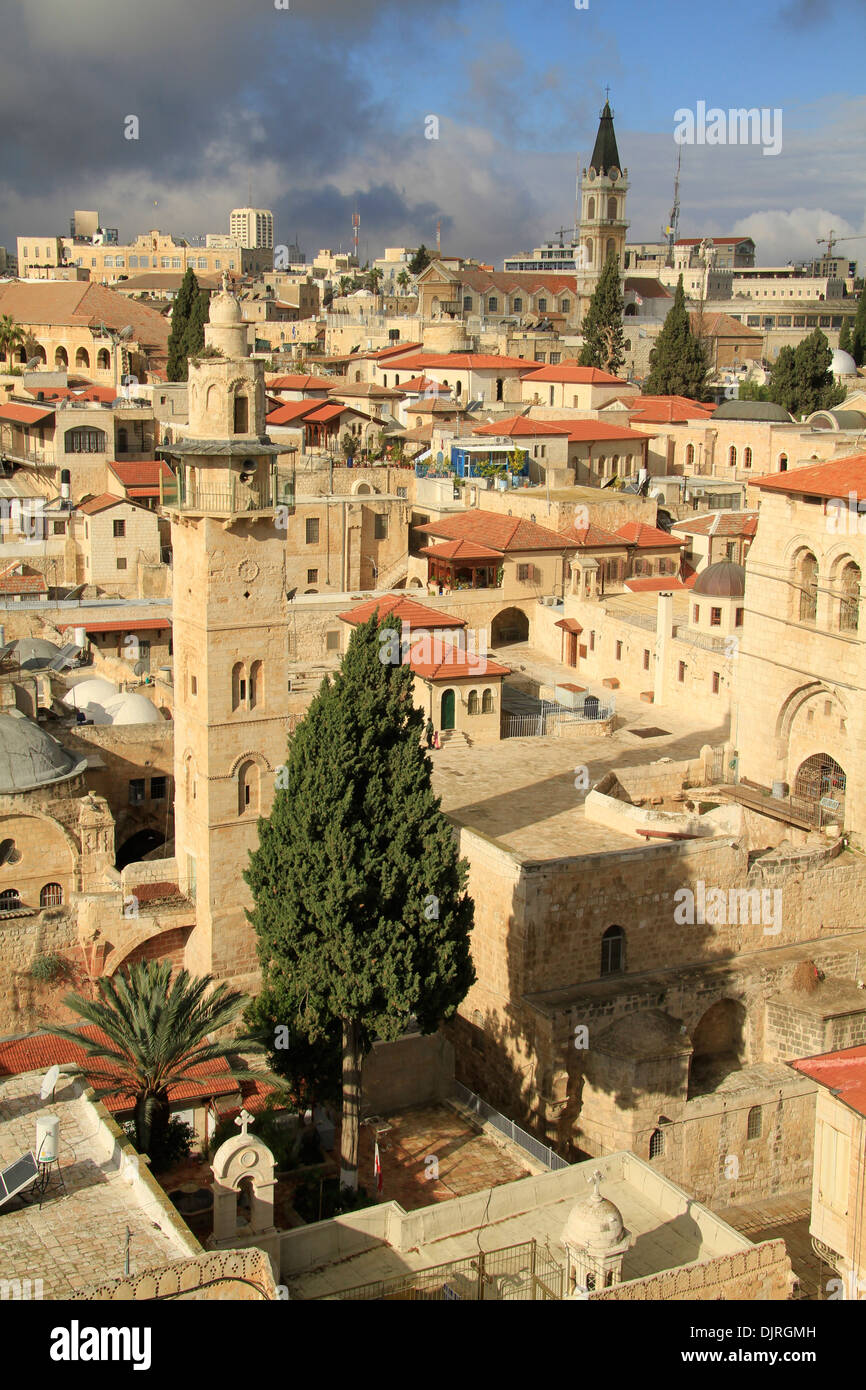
point(820, 786)
point(447, 710)
point(511, 625)
point(719, 1045)
point(137, 846)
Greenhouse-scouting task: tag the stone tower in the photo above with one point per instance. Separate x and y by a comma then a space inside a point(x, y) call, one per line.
point(228, 515)
point(604, 187)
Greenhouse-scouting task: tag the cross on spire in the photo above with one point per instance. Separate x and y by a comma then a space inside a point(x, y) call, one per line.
point(607, 93)
point(244, 1119)
point(595, 1180)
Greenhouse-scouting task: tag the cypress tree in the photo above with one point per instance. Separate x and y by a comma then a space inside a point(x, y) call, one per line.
point(359, 895)
point(802, 381)
point(858, 332)
point(845, 336)
point(180, 315)
point(193, 338)
point(783, 380)
point(678, 362)
point(602, 326)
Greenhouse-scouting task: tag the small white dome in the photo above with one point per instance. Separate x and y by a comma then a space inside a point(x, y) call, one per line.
point(595, 1225)
point(224, 309)
point(843, 363)
point(91, 696)
point(132, 709)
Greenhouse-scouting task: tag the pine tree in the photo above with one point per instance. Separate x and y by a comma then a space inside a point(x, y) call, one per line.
point(193, 338)
point(845, 336)
point(783, 380)
point(802, 381)
point(678, 362)
point(858, 332)
point(602, 326)
point(180, 315)
point(360, 903)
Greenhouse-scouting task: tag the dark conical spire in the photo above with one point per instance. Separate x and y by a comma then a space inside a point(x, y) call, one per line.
point(605, 154)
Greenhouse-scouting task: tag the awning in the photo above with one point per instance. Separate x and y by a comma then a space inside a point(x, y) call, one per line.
point(569, 625)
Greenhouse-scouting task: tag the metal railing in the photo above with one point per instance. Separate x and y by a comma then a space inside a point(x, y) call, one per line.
point(542, 1152)
point(514, 1273)
point(551, 719)
point(237, 497)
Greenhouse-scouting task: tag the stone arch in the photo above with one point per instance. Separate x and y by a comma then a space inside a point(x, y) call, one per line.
point(249, 788)
point(587, 247)
point(240, 1159)
point(611, 209)
point(211, 399)
point(257, 685)
point(361, 489)
point(103, 359)
point(487, 701)
point(719, 1044)
point(61, 356)
point(806, 574)
point(590, 210)
point(82, 358)
point(67, 863)
point(818, 776)
point(509, 625)
point(141, 842)
point(845, 580)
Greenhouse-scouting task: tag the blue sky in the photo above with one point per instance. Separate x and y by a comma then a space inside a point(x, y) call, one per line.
point(322, 107)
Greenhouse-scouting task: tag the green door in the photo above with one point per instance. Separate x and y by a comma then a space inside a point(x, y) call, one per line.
point(448, 709)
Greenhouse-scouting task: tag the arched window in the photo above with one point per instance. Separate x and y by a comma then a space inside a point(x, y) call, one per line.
point(657, 1144)
point(61, 357)
point(754, 1123)
point(82, 358)
point(732, 456)
point(849, 609)
point(84, 441)
point(587, 246)
point(487, 702)
point(257, 685)
point(690, 455)
point(103, 359)
point(612, 951)
point(611, 209)
point(242, 414)
point(473, 702)
point(590, 210)
point(807, 583)
point(610, 249)
point(239, 685)
point(51, 895)
point(248, 788)
point(783, 463)
point(9, 853)
point(10, 900)
point(747, 457)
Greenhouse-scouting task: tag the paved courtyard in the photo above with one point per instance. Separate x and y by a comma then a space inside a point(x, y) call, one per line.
point(787, 1219)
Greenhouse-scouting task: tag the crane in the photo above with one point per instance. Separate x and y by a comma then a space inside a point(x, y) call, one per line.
point(831, 241)
point(561, 233)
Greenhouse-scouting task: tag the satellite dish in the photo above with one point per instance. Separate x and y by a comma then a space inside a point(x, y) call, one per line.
point(49, 1081)
point(126, 331)
point(33, 362)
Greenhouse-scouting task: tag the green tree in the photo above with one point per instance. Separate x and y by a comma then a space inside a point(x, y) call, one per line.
point(346, 284)
point(845, 340)
point(311, 1070)
point(359, 895)
point(177, 369)
point(602, 327)
point(157, 1028)
point(11, 337)
point(753, 391)
point(802, 381)
point(678, 362)
point(403, 280)
point(193, 338)
point(858, 332)
point(420, 260)
point(374, 279)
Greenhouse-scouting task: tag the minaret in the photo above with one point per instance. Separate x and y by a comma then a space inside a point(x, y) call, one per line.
point(228, 516)
point(602, 214)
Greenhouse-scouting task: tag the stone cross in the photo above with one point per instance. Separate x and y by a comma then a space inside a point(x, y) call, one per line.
point(595, 1180)
point(245, 1118)
point(226, 288)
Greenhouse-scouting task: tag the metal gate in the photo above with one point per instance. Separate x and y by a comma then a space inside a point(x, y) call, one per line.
point(819, 790)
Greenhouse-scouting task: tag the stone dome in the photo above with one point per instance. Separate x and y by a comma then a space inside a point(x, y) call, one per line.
point(843, 363)
point(224, 310)
point(721, 580)
point(91, 696)
point(594, 1224)
point(34, 653)
point(131, 709)
point(30, 757)
point(751, 410)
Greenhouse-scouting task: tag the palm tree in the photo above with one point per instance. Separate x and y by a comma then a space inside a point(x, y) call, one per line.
point(374, 276)
point(345, 284)
point(403, 280)
point(11, 336)
point(152, 1031)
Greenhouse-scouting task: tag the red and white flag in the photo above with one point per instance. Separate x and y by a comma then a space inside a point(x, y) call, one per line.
point(377, 1168)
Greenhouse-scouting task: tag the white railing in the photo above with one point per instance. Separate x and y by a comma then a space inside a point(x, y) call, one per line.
point(486, 1113)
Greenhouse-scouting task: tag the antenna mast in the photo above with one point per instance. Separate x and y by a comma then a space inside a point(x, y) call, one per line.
point(673, 226)
point(577, 201)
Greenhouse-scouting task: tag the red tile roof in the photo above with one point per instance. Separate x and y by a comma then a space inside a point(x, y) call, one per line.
point(577, 431)
point(717, 240)
point(451, 663)
point(42, 1050)
point(394, 351)
point(593, 535)
point(19, 578)
point(300, 382)
point(463, 361)
point(290, 412)
point(835, 478)
point(414, 614)
point(573, 372)
point(77, 393)
point(126, 625)
point(720, 524)
point(585, 431)
point(657, 585)
point(843, 1073)
point(145, 473)
point(326, 411)
point(25, 414)
point(461, 550)
point(666, 409)
point(521, 425)
point(646, 537)
point(101, 503)
point(721, 325)
point(424, 383)
point(501, 533)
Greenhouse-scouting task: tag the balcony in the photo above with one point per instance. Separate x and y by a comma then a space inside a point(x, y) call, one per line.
point(237, 499)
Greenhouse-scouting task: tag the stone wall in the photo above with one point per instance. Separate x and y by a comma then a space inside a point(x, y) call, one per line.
point(414, 1070)
point(756, 1275)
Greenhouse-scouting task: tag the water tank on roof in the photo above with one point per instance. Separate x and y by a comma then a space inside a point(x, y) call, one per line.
point(46, 1138)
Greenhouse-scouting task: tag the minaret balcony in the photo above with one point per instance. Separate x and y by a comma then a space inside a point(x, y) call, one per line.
point(188, 493)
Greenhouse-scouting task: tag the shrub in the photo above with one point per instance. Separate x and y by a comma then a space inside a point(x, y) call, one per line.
point(174, 1147)
point(49, 967)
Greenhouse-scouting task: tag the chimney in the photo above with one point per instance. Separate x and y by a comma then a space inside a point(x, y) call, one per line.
point(664, 636)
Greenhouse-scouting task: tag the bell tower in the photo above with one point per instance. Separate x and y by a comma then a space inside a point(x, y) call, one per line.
point(603, 224)
point(228, 507)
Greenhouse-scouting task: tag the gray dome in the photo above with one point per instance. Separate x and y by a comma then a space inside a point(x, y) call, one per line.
point(721, 580)
point(34, 653)
point(31, 758)
point(751, 410)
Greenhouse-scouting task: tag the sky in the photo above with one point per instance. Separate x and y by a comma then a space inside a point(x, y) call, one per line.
point(323, 107)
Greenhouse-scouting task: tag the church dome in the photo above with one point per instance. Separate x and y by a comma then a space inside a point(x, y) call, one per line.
point(595, 1225)
point(751, 410)
point(843, 363)
point(30, 757)
point(721, 580)
point(224, 310)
